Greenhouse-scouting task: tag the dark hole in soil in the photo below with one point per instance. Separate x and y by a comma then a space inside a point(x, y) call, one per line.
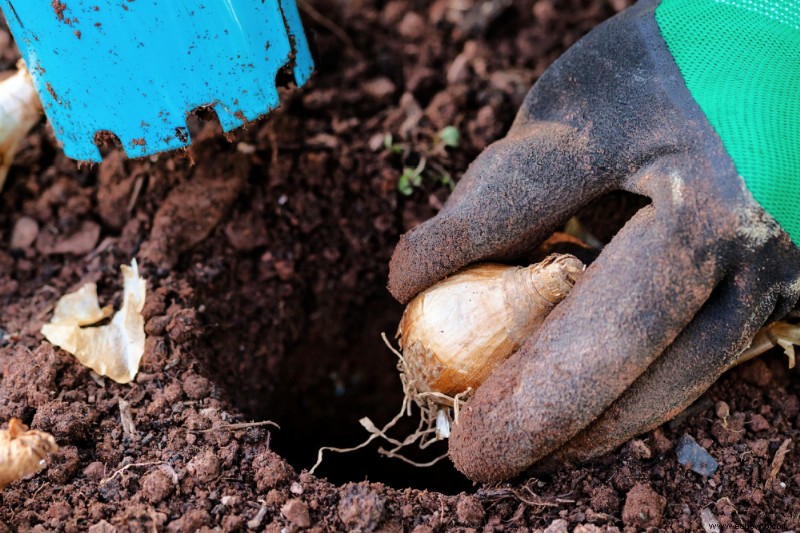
point(339, 372)
point(318, 374)
point(367, 384)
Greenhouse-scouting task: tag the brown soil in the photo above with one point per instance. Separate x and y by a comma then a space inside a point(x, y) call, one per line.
point(267, 259)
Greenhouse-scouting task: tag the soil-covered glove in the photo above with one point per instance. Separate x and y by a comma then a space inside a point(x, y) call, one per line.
point(692, 103)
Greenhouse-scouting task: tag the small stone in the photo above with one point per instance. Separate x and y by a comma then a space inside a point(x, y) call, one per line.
point(557, 526)
point(24, 234)
point(644, 507)
point(709, 521)
point(722, 410)
point(95, 471)
point(639, 449)
point(379, 88)
point(412, 26)
point(296, 488)
point(695, 457)
point(588, 528)
point(102, 527)
point(296, 512)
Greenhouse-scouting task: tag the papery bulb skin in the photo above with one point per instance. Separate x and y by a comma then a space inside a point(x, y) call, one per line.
point(20, 110)
point(454, 334)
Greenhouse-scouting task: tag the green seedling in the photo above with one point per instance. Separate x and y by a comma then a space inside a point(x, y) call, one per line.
point(391, 146)
point(449, 136)
point(411, 178)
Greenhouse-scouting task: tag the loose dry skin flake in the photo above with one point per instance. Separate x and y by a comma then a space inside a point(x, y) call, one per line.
point(20, 110)
point(22, 452)
point(454, 334)
point(112, 350)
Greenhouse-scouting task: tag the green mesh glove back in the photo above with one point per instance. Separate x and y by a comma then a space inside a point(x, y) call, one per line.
point(741, 62)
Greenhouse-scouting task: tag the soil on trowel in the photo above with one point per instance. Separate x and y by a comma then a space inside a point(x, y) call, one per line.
point(266, 255)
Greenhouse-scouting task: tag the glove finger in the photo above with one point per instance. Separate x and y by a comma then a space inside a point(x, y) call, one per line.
point(642, 291)
point(708, 346)
point(513, 196)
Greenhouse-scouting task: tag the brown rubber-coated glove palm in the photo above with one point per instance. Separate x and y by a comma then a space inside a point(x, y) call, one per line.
point(671, 301)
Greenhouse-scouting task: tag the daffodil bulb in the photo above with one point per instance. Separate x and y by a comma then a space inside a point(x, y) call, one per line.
point(454, 334)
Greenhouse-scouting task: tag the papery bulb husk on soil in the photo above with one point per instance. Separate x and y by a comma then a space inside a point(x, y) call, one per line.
point(20, 110)
point(454, 334)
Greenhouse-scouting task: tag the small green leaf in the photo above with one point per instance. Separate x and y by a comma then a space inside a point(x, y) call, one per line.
point(450, 136)
point(410, 178)
point(390, 145)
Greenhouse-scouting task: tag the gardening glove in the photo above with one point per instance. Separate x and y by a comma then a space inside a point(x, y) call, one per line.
point(694, 104)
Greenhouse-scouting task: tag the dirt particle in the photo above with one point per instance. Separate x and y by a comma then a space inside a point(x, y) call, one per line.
point(58, 9)
point(204, 467)
point(233, 523)
point(157, 485)
point(155, 304)
point(379, 88)
point(557, 526)
point(102, 527)
point(590, 528)
point(644, 507)
point(660, 442)
point(296, 512)
point(729, 431)
point(79, 242)
point(637, 448)
point(24, 234)
point(95, 471)
point(196, 386)
point(157, 325)
point(271, 471)
point(360, 508)
point(193, 520)
point(64, 464)
point(604, 499)
point(412, 26)
point(66, 421)
point(51, 91)
point(757, 373)
point(183, 325)
point(722, 410)
point(469, 510)
point(758, 423)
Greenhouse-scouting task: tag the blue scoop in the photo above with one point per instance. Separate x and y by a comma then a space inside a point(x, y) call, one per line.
point(137, 68)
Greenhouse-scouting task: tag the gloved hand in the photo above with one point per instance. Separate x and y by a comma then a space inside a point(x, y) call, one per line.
point(656, 101)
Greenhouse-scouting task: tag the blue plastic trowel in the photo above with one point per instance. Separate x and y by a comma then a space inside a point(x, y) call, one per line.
point(137, 68)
